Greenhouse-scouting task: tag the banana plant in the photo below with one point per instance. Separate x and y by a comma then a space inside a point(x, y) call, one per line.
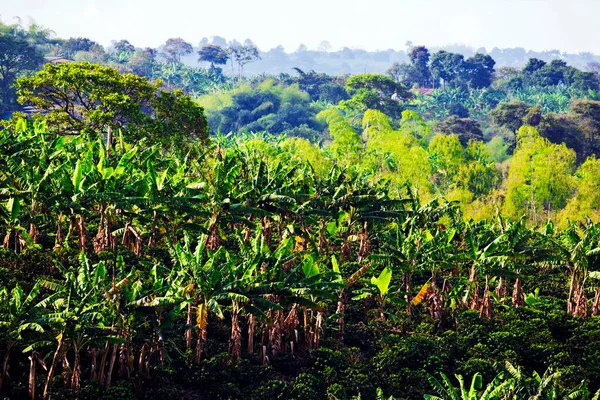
point(380, 290)
point(18, 315)
point(499, 389)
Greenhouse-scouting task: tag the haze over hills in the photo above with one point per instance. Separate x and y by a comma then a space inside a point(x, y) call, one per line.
point(355, 60)
point(514, 26)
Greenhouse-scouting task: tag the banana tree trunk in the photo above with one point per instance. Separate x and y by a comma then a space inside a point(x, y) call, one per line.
point(5, 364)
point(341, 309)
point(596, 303)
point(76, 378)
point(236, 332)
point(188, 331)
point(251, 326)
point(202, 324)
point(103, 364)
point(82, 233)
point(581, 301)
point(142, 357)
point(94, 357)
point(153, 232)
point(52, 368)
point(34, 232)
point(318, 328)
point(113, 358)
point(571, 290)
point(32, 377)
point(486, 304)
point(58, 241)
point(518, 299)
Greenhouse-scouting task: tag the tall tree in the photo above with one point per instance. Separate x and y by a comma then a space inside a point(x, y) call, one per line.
point(246, 54)
point(478, 70)
point(419, 58)
point(445, 66)
point(123, 46)
point(213, 54)
point(174, 48)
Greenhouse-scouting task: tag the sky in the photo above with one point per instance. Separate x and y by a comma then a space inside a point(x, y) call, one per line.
point(569, 26)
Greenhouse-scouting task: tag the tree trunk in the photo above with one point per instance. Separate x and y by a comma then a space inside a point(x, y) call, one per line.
point(34, 232)
point(318, 328)
point(101, 377)
point(188, 331)
point(236, 333)
point(32, 377)
point(518, 299)
point(113, 358)
point(59, 234)
point(596, 303)
point(476, 300)
point(94, 357)
point(407, 280)
point(251, 326)
point(581, 302)
point(5, 365)
point(152, 241)
point(52, 368)
point(486, 304)
point(341, 309)
point(82, 233)
point(108, 140)
point(66, 367)
point(201, 324)
point(570, 299)
point(76, 378)
point(141, 360)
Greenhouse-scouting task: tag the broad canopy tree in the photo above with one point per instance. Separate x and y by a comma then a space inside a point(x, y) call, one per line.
point(376, 92)
point(88, 98)
point(215, 55)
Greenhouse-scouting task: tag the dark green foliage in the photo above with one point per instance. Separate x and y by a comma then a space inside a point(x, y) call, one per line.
point(510, 115)
point(466, 129)
point(271, 108)
point(214, 55)
point(71, 46)
point(17, 57)
point(477, 71)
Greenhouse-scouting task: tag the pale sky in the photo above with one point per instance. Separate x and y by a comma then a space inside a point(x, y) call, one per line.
point(570, 26)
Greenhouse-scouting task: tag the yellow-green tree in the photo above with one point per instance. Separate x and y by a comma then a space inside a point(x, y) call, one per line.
point(395, 154)
point(586, 202)
point(540, 177)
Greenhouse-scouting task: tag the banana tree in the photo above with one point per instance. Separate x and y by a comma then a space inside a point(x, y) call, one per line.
point(206, 275)
point(18, 315)
point(380, 290)
point(499, 389)
point(578, 248)
point(76, 307)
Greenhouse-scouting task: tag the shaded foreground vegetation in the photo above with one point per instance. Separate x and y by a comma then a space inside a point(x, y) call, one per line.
point(143, 259)
point(247, 273)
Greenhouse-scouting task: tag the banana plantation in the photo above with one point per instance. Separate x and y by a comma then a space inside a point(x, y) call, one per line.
point(248, 272)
